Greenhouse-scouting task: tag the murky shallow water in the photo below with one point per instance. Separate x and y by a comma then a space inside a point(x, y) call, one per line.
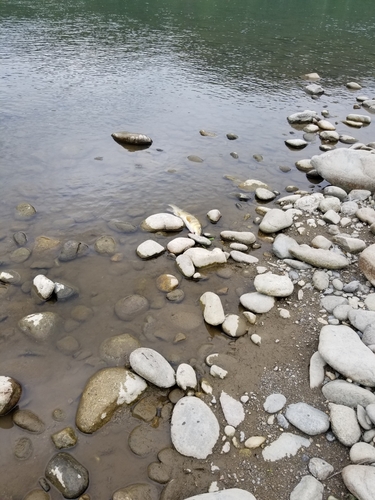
point(73, 73)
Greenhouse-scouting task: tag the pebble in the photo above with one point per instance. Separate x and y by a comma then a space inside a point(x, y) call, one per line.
point(282, 244)
point(274, 403)
point(166, 282)
point(186, 377)
point(245, 237)
point(116, 350)
point(244, 258)
point(194, 428)
point(213, 311)
point(264, 194)
point(273, 285)
point(201, 257)
point(153, 367)
point(257, 302)
point(234, 325)
point(316, 370)
point(23, 448)
point(302, 117)
point(105, 391)
point(319, 258)
point(275, 220)
point(320, 468)
point(43, 286)
point(66, 438)
point(367, 263)
point(344, 424)
point(138, 491)
point(105, 245)
point(131, 306)
point(185, 265)
point(26, 419)
point(233, 410)
point(344, 393)
point(24, 211)
point(362, 452)
point(149, 249)
point(307, 419)
point(72, 249)
point(67, 475)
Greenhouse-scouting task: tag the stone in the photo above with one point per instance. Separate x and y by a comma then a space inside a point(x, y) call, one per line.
point(72, 249)
point(309, 203)
point(26, 419)
point(319, 258)
point(166, 282)
point(316, 370)
point(344, 393)
point(344, 424)
point(321, 242)
point(347, 168)
point(320, 468)
point(105, 245)
point(330, 203)
point(131, 306)
point(67, 475)
point(320, 280)
point(185, 265)
point(244, 237)
point(351, 245)
point(329, 136)
point(273, 285)
point(194, 428)
point(285, 446)
point(121, 226)
point(361, 319)
point(341, 312)
point(366, 214)
point(370, 302)
point(335, 191)
point(43, 286)
point(153, 367)
point(227, 494)
point(10, 276)
point(25, 211)
point(149, 249)
point(214, 216)
point(343, 350)
point(307, 419)
point(46, 245)
point(308, 488)
point(257, 302)
point(23, 448)
point(243, 258)
point(20, 255)
point(252, 185)
point(68, 345)
point(64, 291)
point(137, 491)
point(275, 220)
point(66, 438)
point(37, 495)
point(264, 194)
point(233, 410)
point(360, 481)
point(234, 325)
point(106, 391)
point(296, 143)
point(133, 138)
point(302, 117)
point(353, 86)
point(274, 403)
point(213, 311)
point(362, 453)
point(370, 410)
point(366, 262)
point(363, 418)
point(116, 350)
point(330, 302)
point(162, 222)
point(304, 166)
point(10, 393)
point(368, 337)
point(186, 377)
point(40, 326)
point(349, 208)
point(202, 257)
point(359, 118)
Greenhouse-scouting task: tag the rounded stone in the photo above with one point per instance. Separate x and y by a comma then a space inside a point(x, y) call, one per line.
point(307, 419)
point(20, 255)
point(274, 403)
point(131, 306)
point(234, 325)
point(257, 302)
point(162, 222)
point(194, 428)
point(117, 349)
point(25, 211)
point(153, 367)
point(40, 326)
point(137, 492)
point(166, 282)
point(26, 419)
point(273, 285)
point(105, 245)
point(67, 475)
point(10, 393)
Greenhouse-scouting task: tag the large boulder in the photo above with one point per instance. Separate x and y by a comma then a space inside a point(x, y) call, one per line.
point(347, 168)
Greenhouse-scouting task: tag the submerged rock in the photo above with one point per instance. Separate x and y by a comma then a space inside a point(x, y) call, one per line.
point(67, 475)
point(131, 306)
point(40, 326)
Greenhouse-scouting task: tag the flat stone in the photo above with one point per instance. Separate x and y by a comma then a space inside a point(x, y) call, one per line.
point(26, 419)
point(308, 488)
point(243, 258)
point(286, 445)
point(194, 428)
point(72, 249)
point(131, 306)
point(166, 282)
point(336, 191)
point(307, 419)
point(366, 214)
point(360, 481)
point(320, 468)
point(162, 222)
point(367, 262)
point(275, 220)
point(64, 291)
point(274, 403)
point(67, 475)
point(257, 302)
point(344, 424)
point(304, 166)
point(10, 393)
point(319, 258)
point(233, 410)
point(245, 237)
point(343, 350)
point(105, 392)
point(133, 138)
point(368, 337)
point(344, 393)
point(273, 285)
point(149, 249)
point(46, 245)
point(40, 326)
point(121, 226)
point(321, 242)
point(153, 367)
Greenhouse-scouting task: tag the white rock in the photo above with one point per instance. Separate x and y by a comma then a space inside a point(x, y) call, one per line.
point(186, 377)
point(363, 418)
point(256, 339)
point(153, 367)
point(273, 285)
point(362, 453)
point(254, 442)
point(214, 215)
point(321, 242)
point(285, 446)
point(218, 372)
point(233, 410)
point(149, 249)
point(257, 302)
point(370, 410)
point(244, 237)
point(243, 257)
point(274, 403)
point(309, 203)
point(185, 265)
point(213, 311)
point(367, 262)
point(44, 287)
point(316, 370)
point(326, 125)
point(320, 280)
point(344, 424)
point(331, 217)
point(202, 257)
point(275, 220)
point(308, 488)
point(264, 194)
point(282, 244)
point(250, 317)
point(230, 494)
point(194, 428)
point(229, 430)
point(344, 393)
point(361, 319)
point(179, 245)
point(319, 258)
point(234, 325)
point(360, 480)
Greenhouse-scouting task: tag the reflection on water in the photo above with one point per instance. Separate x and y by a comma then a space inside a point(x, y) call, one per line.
point(72, 73)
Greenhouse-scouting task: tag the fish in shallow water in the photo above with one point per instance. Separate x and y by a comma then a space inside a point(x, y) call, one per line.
point(191, 222)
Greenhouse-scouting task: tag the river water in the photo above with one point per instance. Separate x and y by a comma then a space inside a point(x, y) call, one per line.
point(73, 72)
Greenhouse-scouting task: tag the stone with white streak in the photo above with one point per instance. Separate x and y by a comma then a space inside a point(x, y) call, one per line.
point(152, 366)
point(234, 325)
point(10, 393)
point(233, 410)
point(43, 286)
point(213, 311)
point(106, 391)
point(40, 326)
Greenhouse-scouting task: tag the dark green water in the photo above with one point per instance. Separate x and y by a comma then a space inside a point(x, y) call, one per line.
point(73, 72)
